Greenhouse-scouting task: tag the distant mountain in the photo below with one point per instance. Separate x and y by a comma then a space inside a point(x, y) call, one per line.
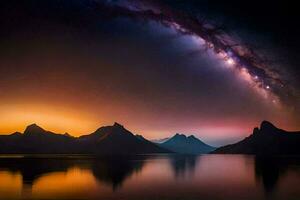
point(180, 143)
point(105, 140)
point(266, 140)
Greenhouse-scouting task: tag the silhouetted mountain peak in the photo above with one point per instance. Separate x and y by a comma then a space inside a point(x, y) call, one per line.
point(267, 126)
point(180, 143)
point(192, 137)
point(67, 134)
point(268, 140)
point(118, 126)
point(16, 134)
point(115, 126)
point(33, 128)
point(255, 131)
point(179, 136)
point(116, 130)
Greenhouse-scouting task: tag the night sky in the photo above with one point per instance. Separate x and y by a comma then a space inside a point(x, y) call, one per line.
point(211, 68)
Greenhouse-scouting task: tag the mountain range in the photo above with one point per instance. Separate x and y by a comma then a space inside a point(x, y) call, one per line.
point(105, 140)
point(266, 140)
point(115, 139)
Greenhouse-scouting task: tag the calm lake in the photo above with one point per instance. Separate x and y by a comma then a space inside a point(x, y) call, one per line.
point(149, 177)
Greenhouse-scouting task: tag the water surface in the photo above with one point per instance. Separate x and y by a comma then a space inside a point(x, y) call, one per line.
point(149, 177)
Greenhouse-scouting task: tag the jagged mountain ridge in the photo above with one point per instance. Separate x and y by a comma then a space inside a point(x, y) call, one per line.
point(105, 140)
point(266, 140)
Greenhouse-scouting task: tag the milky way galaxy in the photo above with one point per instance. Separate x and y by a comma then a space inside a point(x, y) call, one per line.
point(249, 64)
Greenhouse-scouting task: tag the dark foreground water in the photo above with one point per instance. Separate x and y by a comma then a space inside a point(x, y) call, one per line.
point(150, 177)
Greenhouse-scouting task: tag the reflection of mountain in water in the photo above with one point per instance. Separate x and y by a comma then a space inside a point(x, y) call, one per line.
point(111, 171)
point(183, 165)
point(269, 170)
point(33, 168)
point(114, 171)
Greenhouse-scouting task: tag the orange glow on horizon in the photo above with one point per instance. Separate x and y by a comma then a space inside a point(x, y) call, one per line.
point(61, 119)
point(56, 119)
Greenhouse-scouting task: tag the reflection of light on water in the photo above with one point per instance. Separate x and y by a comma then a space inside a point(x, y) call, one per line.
point(212, 176)
point(10, 185)
point(75, 183)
